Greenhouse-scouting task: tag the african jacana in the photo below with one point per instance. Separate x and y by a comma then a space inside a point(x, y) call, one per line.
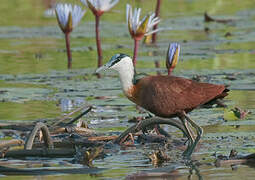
point(172, 58)
point(165, 96)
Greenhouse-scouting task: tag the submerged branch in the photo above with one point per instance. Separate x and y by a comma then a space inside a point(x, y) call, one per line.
point(208, 18)
point(248, 159)
point(149, 122)
point(41, 153)
point(70, 114)
point(79, 116)
point(9, 143)
point(45, 133)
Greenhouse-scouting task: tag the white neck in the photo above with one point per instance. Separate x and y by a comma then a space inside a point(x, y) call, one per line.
point(125, 69)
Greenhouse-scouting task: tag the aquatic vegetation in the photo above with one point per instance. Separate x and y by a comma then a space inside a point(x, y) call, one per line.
point(139, 28)
point(34, 80)
point(172, 56)
point(68, 17)
point(98, 7)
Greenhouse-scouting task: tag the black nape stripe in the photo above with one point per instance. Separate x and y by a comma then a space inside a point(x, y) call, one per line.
point(118, 58)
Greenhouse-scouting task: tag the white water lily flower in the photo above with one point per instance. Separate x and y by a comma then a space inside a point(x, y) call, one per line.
point(68, 16)
point(98, 7)
point(138, 28)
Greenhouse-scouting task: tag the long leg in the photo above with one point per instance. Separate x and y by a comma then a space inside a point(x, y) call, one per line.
point(199, 130)
point(190, 130)
point(189, 134)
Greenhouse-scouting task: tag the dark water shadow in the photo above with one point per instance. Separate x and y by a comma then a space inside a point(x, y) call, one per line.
point(49, 171)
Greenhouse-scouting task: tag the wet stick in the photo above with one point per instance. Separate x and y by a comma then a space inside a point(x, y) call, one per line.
point(68, 115)
point(46, 136)
point(9, 143)
point(79, 116)
point(150, 122)
point(41, 153)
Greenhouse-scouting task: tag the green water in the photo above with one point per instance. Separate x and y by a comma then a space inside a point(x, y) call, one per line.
point(35, 82)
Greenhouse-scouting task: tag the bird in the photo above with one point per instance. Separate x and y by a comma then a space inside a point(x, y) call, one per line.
point(165, 96)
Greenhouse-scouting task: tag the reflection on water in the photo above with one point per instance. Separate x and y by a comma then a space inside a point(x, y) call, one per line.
point(69, 104)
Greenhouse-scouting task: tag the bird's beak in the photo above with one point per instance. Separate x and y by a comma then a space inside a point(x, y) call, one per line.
point(104, 67)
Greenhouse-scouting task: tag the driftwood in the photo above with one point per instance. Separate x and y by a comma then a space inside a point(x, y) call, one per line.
point(102, 138)
point(49, 171)
point(30, 126)
point(236, 160)
point(71, 144)
point(66, 145)
point(79, 116)
point(92, 141)
point(150, 122)
point(46, 136)
point(17, 127)
point(57, 123)
point(40, 153)
point(70, 129)
point(9, 143)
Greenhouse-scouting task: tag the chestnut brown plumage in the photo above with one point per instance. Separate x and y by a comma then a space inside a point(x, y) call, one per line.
point(166, 96)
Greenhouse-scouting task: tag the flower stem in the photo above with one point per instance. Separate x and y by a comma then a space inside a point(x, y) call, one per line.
point(136, 45)
point(157, 65)
point(170, 70)
point(154, 35)
point(68, 50)
point(98, 41)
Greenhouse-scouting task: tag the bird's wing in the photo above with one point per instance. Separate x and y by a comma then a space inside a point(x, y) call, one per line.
point(168, 95)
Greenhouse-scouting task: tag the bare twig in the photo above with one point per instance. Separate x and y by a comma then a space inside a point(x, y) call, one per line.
point(18, 127)
point(70, 114)
point(149, 122)
point(12, 142)
point(71, 144)
point(102, 138)
point(78, 130)
point(208, 18)
point(79, 116)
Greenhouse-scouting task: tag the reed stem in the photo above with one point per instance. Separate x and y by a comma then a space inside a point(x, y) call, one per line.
point(157, 11)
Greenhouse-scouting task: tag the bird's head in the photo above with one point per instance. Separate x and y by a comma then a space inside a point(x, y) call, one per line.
point(119, 62)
